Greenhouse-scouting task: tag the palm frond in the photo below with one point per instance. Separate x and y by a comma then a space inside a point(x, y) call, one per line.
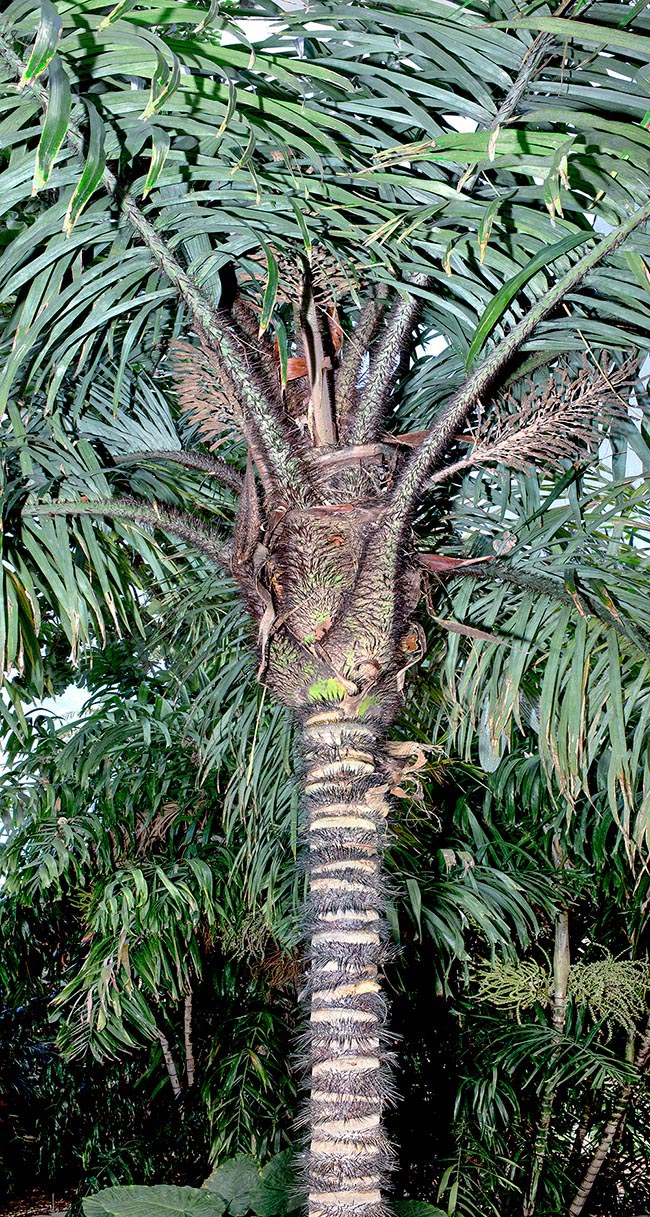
point(585, 703)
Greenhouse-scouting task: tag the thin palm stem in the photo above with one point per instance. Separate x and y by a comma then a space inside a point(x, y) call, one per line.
point(609, 1133)
point(561, 967)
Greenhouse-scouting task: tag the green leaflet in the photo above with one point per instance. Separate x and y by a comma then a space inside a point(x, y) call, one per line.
point(485, 227)
point(271, 288)
point(500, 301)
point(47, 40)
point(230, 109)
point(472, 148)
point(55, 125)
point(415, 896)
point(210, 17)
point(164, 82)
point(583, 31)
point(92, 172)
point(306, 235)
point(118, 11)
point(160, 145)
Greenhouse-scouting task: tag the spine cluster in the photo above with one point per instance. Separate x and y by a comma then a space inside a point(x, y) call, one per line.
point(345, 800)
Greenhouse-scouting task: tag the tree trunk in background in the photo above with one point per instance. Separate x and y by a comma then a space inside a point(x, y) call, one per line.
point(561, 969)
point(345, 789)
point(609, 1133)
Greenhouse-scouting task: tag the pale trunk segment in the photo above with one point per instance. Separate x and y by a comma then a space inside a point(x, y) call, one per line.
point(581, 1199)
point(561, 969)
point(345, 808)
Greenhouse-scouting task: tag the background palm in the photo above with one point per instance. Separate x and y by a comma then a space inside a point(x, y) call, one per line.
point(342, 155)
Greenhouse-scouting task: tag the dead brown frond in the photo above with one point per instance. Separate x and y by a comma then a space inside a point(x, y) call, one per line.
point(282, 970)
point(331, 279)
point(202, 394)
point(559, 419)
point(152, 830)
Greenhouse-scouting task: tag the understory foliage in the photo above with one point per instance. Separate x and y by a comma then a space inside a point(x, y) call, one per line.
point(116, 835)
point(261, 298)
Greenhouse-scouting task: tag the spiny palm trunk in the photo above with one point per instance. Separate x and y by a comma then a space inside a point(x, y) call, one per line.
point(345, 804)
point(335, 642)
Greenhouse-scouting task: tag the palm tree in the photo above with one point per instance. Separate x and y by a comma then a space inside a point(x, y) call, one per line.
point(312, 217)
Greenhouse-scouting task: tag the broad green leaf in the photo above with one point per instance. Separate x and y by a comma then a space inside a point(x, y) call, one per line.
point(277, 1191)
point(234, 1182)
point(92, 171)
point(47, 40)
point(416, 1208)
point(163, 1200)
point(55, 124)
